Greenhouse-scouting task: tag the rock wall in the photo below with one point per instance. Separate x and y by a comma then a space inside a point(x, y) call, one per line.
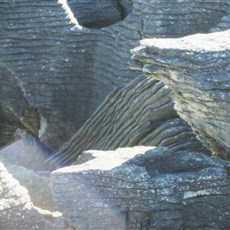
point(66, 71)
point(196, 68)
point(15, 111)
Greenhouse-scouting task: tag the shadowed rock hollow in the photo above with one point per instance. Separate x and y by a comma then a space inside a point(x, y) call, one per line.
point(99, 13)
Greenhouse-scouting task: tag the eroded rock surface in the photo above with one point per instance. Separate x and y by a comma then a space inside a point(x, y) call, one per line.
point(196, 68)
point(17, 211)
point(66, 71)
point(144, 188)
point(15, 110)
point(140, 114)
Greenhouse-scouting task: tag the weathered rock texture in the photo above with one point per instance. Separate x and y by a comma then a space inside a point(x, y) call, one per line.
point(196, 68)
point(66, 71)
point(17, 211)
point(15, 111)
point(144, 188)
point(140, 114)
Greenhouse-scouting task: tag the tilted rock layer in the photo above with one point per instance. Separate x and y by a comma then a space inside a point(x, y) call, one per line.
point(140, 114)
point(197, 70)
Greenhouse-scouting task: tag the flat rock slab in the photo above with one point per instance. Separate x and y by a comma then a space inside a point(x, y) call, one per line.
point(144, 188)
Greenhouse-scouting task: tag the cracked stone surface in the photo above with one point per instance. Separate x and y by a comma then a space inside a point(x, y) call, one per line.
point(144, 188)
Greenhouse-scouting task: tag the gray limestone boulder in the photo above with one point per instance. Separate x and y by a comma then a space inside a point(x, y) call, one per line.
point(196, 69)
point(144, 188)
point(139, 114)
point(17, 210)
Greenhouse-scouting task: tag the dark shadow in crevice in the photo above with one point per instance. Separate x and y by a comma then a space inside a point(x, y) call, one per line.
point(99, 14)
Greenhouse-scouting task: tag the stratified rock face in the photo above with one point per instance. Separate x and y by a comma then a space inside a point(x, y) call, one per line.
point(17, 211)
point(15, 111)
point(196, 68)
point(140, 114)
point(144, 188)
point(66, 72)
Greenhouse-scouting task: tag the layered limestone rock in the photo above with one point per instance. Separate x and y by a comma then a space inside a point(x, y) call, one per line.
point(17, 210)
point(56, 73)
point(15, 111)
point(51, 61)
point(66, 71)
point(140, 114)
point(196, 69)
point(144, 188)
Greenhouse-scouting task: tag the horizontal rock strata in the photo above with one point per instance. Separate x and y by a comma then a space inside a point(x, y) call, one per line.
point(66, 71)
point(144, 188)
point(17, 210)
point(196, 69)
point(140, 114)
point(15, 110)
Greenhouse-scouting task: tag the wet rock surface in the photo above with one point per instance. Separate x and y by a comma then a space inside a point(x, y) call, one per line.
point(144, 188)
